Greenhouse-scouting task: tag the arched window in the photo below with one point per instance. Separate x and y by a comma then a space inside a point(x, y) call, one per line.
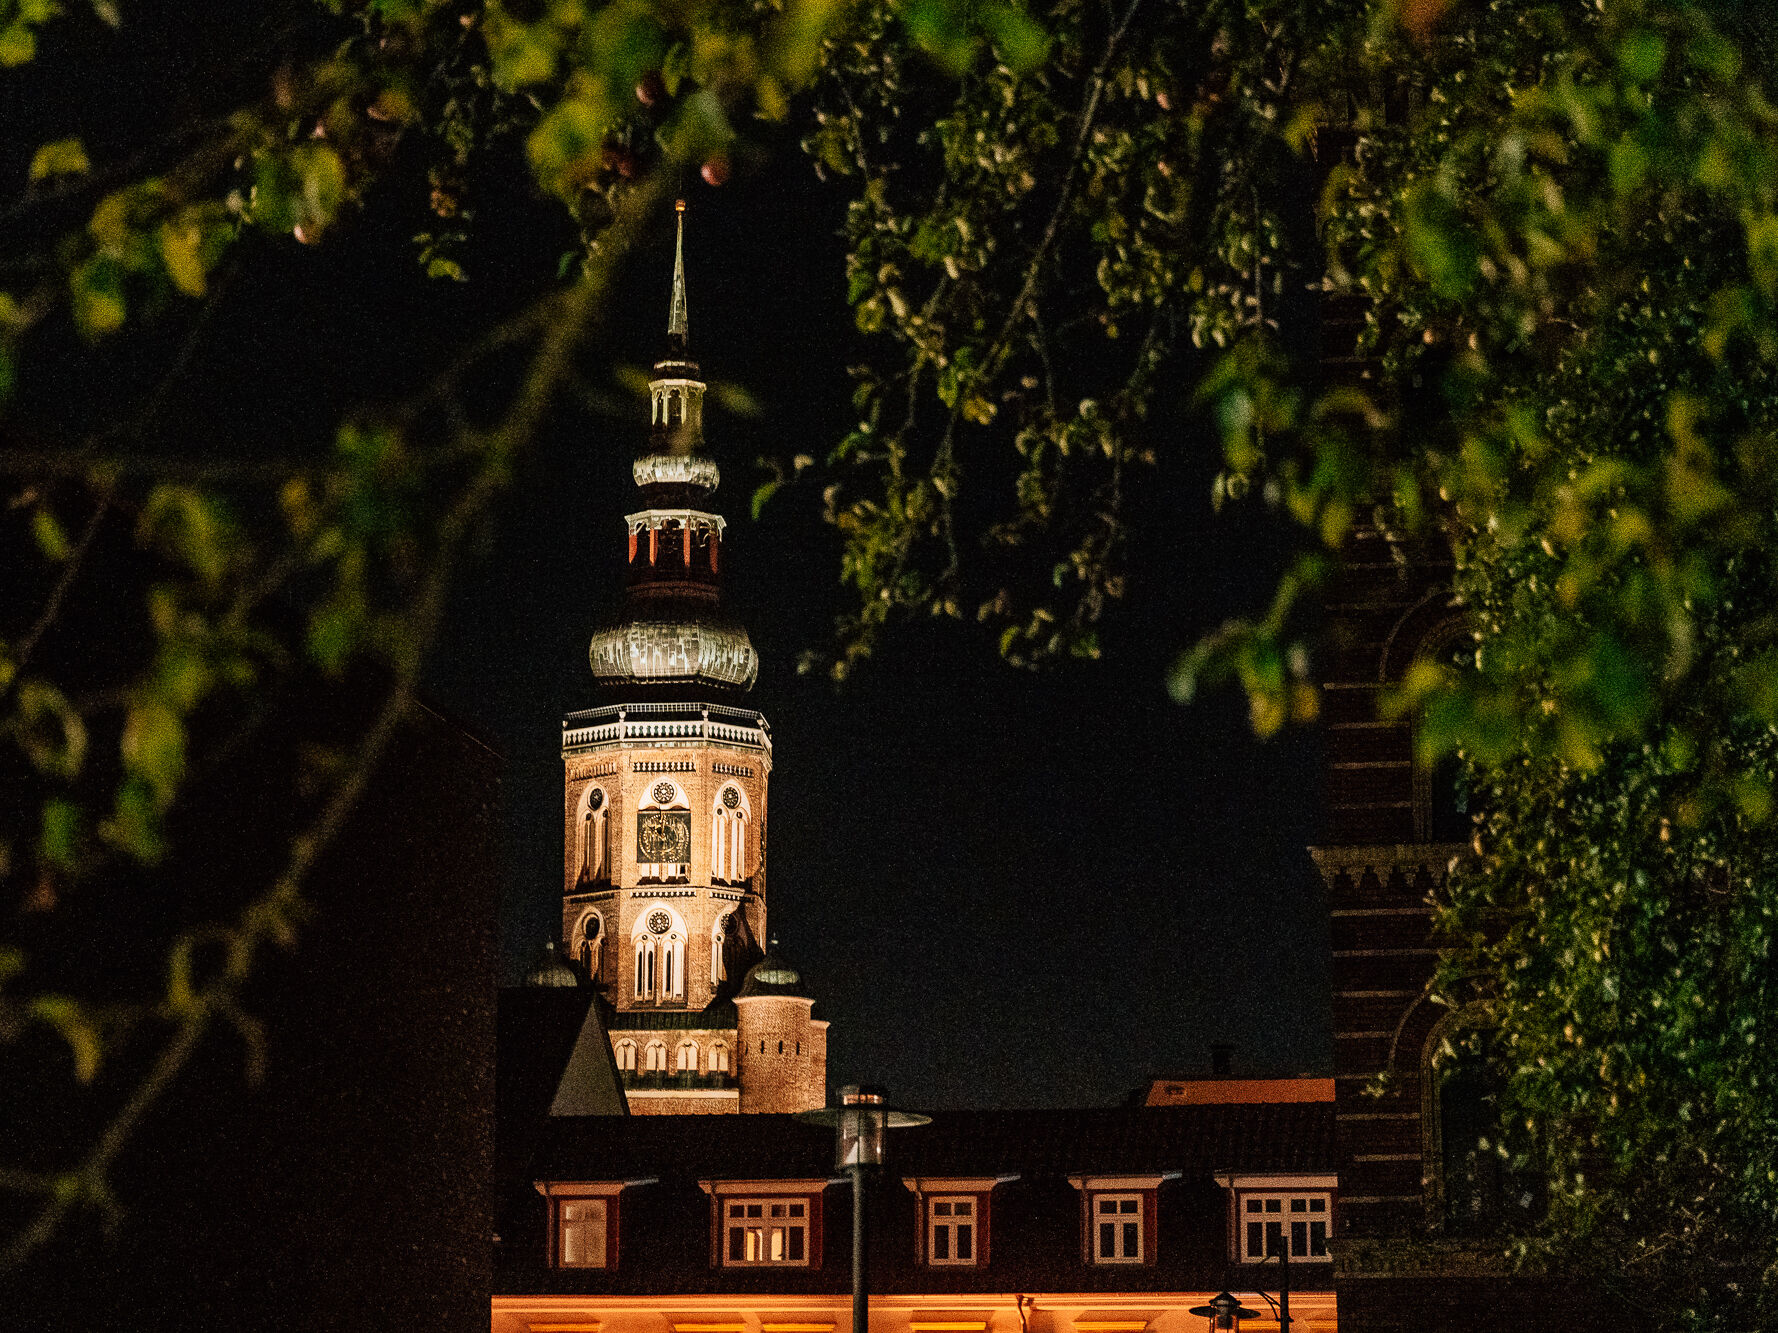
point(595, 838)
point(718, 933)
point(658, 938)
point(654, 1059)
point(719, 1058)
point(663, 833)
point(626, 1055)
point(685, 1059)
point(644, 967)
point(590, 949)
point(729, 817)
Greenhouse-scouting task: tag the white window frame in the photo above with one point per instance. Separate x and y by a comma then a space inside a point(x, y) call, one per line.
point(1255, 1209)
point(588, 1231)
point(679, 1065)
point(949, 1222)
point(719, 1057)
point(766, 1240)
point(626, 1055)
point(654, 1058)
point(1121, 1220)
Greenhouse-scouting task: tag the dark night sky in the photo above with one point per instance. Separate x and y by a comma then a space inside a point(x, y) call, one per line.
point(1003, 888)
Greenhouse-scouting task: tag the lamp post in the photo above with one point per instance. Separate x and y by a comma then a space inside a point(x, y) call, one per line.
point(861, 1120)
point(1224, 1311)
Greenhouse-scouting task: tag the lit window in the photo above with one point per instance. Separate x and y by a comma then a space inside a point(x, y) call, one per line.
point(951, 1230)
point(580, 1232)
point(1266, 1219)
point(644, 967)
point(1117, 1228)
point(655, 1057)
point(729, 818)
point(719, 1058)
point(685, 1060)
point(595, 838)
point(765, 1232)
point(626, 1055)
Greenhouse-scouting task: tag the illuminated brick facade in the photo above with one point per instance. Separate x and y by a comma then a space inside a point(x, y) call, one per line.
point(664, 806)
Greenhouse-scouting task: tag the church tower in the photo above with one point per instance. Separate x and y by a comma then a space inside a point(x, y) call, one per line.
point(664, 801)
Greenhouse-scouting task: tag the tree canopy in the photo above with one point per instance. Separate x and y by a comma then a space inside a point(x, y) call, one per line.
point(1503, 272)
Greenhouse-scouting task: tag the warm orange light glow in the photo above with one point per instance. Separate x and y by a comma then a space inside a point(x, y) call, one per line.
point(769, 1326)
point(679, 205)
point(727, 1326)
point(583, 1327)
point(1110, 1325)
point(948, 1325)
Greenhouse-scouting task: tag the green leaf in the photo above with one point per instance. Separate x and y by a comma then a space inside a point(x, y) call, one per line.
point(181, 248)
point(60, 838)
point(72, 1023)
point(50, 730)
point(64, 157)
point(98, 296)
point(153, 747)
point(46, 528)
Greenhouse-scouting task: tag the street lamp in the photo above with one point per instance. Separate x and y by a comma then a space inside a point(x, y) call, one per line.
point(1224, 1311)
point(861, 1120)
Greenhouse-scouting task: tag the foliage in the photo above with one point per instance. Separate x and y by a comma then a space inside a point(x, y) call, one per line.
point(224, 575)
point(1552, 226)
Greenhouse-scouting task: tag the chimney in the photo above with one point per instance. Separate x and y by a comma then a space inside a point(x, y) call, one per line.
point(1221, 1053)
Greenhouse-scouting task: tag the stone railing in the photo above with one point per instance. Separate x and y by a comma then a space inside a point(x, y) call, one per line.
point(666, 722)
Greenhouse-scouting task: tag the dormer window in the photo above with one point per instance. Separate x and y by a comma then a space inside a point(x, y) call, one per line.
point(583, 1221)
point(1271, 1212)
point(1118, 1216)
point(953, 1213)
point(766, 1223)
point(1117, 1228)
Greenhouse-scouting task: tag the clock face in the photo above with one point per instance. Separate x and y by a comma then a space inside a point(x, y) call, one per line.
point(659, 922)
point(597, 799)
point(663, 835)
point(663, 793)
point(730, 798)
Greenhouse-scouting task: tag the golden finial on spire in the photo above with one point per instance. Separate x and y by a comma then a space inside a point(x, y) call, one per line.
point(676, 316)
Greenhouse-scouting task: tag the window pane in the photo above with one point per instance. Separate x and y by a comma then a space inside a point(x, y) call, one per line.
point(1317, 1239)
point(1274, 1205)
point(1253, 1205)
point(1299, 1240)
point(1299, 1205)
point(1127, 1206)
point(737, 1244)
point(1108, 1205)
point(777, 1210)
point(964, 1208)
point(965, 1241)
point(941, 1242)
point(736, 1210)
point(1255, 1241)
point(1108, 1240)
point(755, 1210)
point(941, 1210)
point(1274, 1239)
point(1132, 1246)
point(777, 1244)
point(755, 1244)
point(795, 1249)
point(1317, 1205)
point(796, 1210)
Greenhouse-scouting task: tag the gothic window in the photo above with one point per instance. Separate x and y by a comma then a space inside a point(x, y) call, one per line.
point(659, 941)
point(626, 1056)
point(645, 967)
point(685, 1060)
point(663, 833)
point(591, 948)
point(595, 839)
point(730, 816)
point(719, 1058)
point(718, 932)
point(654, 1058)
point(581, 1233)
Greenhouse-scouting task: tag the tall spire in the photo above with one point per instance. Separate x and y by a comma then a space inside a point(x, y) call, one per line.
point(676, 317)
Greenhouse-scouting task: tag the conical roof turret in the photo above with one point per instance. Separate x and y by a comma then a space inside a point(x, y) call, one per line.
point(672, 631)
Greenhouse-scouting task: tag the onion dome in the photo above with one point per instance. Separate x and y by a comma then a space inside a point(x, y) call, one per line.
point(552, 969)
point(671, 629)
point(771, 975)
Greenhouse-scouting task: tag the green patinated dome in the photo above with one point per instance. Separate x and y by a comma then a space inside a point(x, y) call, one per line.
point(552, 969)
